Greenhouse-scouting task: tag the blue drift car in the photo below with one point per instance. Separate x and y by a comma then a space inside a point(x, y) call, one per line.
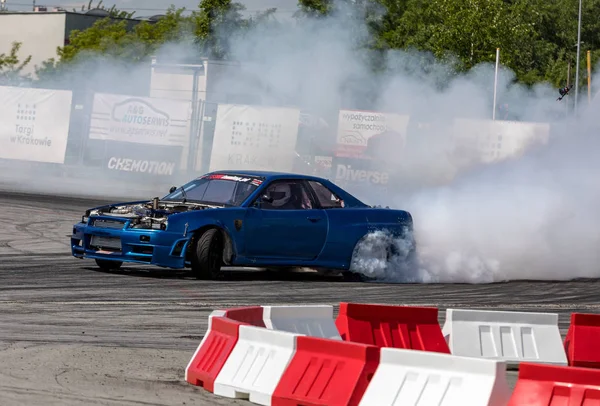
point(238, 218)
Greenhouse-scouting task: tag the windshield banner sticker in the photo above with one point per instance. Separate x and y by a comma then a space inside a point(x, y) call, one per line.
point(254, 181)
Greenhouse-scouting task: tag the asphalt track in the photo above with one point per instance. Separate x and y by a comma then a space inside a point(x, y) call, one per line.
point(72, 335)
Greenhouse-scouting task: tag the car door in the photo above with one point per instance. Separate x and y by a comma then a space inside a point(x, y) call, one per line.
point(295, 231)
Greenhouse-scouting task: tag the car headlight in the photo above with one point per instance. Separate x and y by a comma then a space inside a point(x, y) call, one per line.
point(86, 216)
point(159, 226)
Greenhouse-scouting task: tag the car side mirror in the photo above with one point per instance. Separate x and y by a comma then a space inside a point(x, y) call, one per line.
point(173, 188)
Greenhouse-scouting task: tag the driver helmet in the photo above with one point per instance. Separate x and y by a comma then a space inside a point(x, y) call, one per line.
point(281, 194)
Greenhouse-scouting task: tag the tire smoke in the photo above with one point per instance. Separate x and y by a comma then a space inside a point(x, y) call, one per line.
point(533, 218)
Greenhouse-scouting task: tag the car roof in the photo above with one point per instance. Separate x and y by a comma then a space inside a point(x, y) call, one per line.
point(270, 175)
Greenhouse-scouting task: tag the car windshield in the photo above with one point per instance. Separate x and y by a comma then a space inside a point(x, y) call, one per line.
point(217, 189)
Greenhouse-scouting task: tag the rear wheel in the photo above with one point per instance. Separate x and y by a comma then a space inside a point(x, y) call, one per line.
point(207, 257)
point(107, 265)
point(382, 256)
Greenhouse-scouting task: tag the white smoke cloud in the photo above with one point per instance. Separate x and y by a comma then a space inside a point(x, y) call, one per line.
point(531, 218)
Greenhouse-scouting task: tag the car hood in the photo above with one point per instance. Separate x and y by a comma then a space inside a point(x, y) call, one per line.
point(154, 208)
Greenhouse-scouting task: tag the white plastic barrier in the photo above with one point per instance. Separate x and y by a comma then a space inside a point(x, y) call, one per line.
point(415, 378)
point(256, 364)
point(508, 336)
point(214, 313)
point(313, 320)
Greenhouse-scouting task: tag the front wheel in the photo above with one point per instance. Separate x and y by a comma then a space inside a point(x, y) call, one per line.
point(208, 255)
point(107, 265)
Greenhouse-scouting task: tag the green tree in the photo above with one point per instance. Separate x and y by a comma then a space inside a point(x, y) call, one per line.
point(113, 11)
point(112, 38)
point(536, 37)
point(217, 22)
point(385, 28)
point(106, 36)
point(467, 29)
point(170, 27)
point(564, 39)
point(314, 8)
point(212, 27)
point(11, 66)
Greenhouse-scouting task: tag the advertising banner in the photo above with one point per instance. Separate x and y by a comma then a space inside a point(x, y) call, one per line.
point(356, 128)
point(254, 138)
point(495, 140)
point(140, 120)
point(34, 124)
point(144, 136)
point(134, 159)
point(367, 179)
point(348, 171)
point(323, 165)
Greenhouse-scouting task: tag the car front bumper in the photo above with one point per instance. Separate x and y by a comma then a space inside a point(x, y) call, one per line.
point(115, 241)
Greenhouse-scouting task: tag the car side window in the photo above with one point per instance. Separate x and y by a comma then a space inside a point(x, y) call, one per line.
point(287, 195)
point(327, 199)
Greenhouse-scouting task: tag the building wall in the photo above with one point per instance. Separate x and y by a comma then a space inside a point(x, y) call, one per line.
point(39, 33)
point(78, 21)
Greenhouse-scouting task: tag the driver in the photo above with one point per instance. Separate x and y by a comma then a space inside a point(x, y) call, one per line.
point(281, 194)
point(287, 197)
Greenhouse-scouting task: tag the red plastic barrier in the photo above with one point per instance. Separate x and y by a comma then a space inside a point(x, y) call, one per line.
point(415, 328)
point(215, 350)
point(583, 339)
point(326, 372)
point(252, 315)
point(549, 385)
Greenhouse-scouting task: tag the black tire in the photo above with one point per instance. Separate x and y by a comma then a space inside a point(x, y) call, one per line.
point(107, 265)
point(207, 257)
point(349, 276)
